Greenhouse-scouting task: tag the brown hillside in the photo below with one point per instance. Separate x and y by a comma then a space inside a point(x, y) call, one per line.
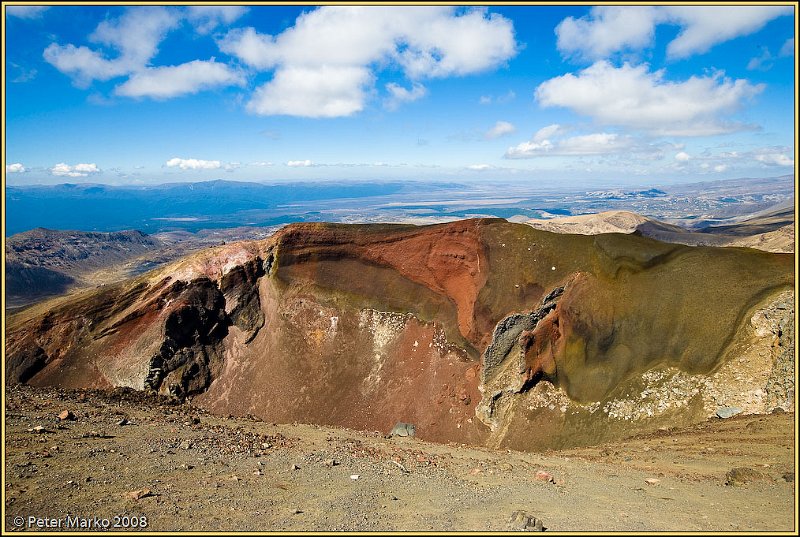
point(477, 331)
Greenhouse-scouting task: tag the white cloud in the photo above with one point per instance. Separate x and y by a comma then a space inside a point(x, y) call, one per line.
point(611, 29)
point(78, 170)
point(636, 98)
point(15, 168)
point(719, 168)
point(705, 26)
point(398, 94)
point(26, 12)
point(83, 64)
point(134, 37)
point(548, 132)
point(193, 164)
point(788, 48)
point(327, 91)
point(262, 164)
point(172, 81)
point(333, 53)
point(480, 167)
point(762, 62)
point(682, 157)
point(606, 30)
point(485, 99)
point(299, 163)
point(774, 156)
point(207, 18)
point(501, 128)
point(601, 143)
point(127, 45)
point(254, 49)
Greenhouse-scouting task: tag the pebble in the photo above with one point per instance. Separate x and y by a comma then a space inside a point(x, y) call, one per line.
point(652, 481)
point(520, 520)
point(354, 477)
point(66, 415)
point(541, 475)
point(139, 494)
point(123, 421)
point(295, 467)
point(330, 463)
point(38, 430)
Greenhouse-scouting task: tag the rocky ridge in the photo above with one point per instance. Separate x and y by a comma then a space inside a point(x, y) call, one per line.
point(440, 328)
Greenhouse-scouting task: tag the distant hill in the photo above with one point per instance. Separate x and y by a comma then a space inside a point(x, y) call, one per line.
point(592, 224)
point(771, 230)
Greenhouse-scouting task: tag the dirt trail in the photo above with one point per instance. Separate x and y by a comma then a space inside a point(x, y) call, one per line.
point(203, 472)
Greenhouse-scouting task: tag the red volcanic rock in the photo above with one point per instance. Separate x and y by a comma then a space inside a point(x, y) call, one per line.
point(365, 326)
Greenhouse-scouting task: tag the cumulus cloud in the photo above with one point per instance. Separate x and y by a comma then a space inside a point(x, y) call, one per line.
point(398, 94)
point(774, 156)
point(719, 168)
point(607, 30)
point(601, 143)
point(327, 91)
point(633, 97)
point(480, 167)
point(26, 12)
point(332, 53)
point(207, 18)
point(172, 81)
point(78, 170)
point(682, 157)
point(299, 163)
point(193, 164)
point(17, 167)
point(134, 37)
point(702, 27)
point(126, 46)
point(501, 128)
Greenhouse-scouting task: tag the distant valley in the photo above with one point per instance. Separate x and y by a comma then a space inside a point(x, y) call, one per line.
point(227, 204)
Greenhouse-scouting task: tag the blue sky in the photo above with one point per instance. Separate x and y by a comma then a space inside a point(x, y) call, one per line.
point(544, 94)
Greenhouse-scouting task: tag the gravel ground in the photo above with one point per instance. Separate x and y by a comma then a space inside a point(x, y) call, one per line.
point(127, 459)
